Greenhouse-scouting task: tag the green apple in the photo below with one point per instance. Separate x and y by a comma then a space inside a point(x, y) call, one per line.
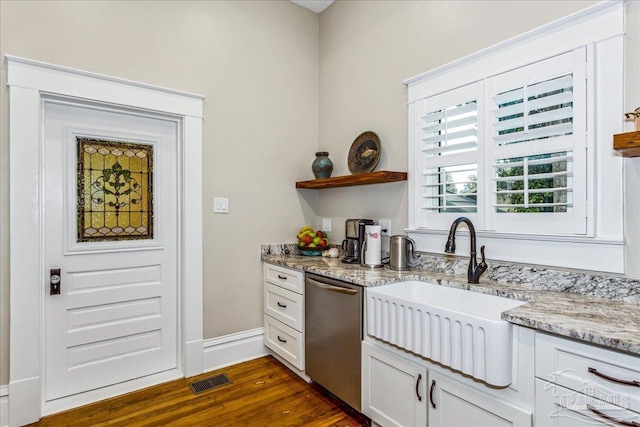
point(317, 240)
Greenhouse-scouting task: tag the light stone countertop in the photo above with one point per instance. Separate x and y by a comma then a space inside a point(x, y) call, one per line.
point(611, 323)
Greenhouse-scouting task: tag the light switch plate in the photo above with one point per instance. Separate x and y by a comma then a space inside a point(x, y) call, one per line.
point(385, 225)
point(326, 224)
point(221, 205)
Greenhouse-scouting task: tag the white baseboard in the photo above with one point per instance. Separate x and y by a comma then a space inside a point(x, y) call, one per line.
point(22, 408)
point(4, 406)
point(193, 355)
point(235, 348)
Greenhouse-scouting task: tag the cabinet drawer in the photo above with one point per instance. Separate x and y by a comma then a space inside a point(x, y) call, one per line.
point(284, 305)
point(606, 374)
point(285, 341)
point(285, 277)
point(557, 406)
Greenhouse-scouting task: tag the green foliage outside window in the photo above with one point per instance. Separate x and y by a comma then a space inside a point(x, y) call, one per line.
point(533, 184)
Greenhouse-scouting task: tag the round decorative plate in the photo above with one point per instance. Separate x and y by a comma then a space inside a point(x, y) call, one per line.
point(364, 153)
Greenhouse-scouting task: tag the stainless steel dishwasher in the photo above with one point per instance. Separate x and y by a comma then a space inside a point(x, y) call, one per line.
point(333, 336)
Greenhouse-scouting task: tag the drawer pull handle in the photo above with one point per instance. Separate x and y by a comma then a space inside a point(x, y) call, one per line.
point(612, 379)
point(281, 339)
point(613, 419)
point(417, 387)
point(282, 277)
point(282, 305)
point(433, 385)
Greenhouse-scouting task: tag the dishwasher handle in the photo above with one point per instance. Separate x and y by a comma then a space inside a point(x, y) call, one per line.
point(332, 288)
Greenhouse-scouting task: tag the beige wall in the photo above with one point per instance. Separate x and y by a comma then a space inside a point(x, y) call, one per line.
point(367, 48)
point(257, 65)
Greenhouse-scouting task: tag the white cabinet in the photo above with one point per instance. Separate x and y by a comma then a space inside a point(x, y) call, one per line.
point(393, 389)
point(402, 391)
point(400, 388)
point(284, 305)
point(558, 406)
point(284, 313)
point(286, 278)
point(285, 341)
point(453, 404)
point(579, 384)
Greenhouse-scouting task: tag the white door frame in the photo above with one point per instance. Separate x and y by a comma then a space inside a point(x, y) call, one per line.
point(29, 81)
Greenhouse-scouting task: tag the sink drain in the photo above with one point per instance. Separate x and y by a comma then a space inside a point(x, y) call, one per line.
point(209, 383)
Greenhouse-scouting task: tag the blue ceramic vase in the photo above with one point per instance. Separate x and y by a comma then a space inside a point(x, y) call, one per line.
point(322, 166)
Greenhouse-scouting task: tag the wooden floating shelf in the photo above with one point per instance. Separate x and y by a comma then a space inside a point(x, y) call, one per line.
point(627, 143)
point(357, 179)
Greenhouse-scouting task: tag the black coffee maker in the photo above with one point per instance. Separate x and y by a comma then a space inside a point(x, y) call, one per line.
point(352, 245)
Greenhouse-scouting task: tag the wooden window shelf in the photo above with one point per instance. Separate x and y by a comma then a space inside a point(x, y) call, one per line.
point(357, 179)
point(627, 143)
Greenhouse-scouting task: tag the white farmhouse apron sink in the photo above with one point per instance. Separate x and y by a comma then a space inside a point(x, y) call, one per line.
point(454, 327)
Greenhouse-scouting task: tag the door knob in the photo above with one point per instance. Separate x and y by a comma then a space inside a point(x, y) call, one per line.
point(54, 281)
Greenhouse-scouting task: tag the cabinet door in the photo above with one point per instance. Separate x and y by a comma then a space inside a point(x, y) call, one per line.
point(557, 406)
point(393, 389)
point(452, 404)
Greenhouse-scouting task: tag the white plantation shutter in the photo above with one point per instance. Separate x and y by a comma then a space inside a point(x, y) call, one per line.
point(451, 129)
point(450, 189)
point(533, 112)
point(446, 152)
point(549, 175)
point(538, 128)
point(518, 168)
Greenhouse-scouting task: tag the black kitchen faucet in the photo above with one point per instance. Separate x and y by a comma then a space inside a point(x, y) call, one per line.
point(475, 270)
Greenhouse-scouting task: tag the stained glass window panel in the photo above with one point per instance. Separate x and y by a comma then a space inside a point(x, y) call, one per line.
point(114, 190)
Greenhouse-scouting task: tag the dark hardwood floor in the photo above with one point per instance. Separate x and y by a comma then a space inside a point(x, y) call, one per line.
point(263, 393)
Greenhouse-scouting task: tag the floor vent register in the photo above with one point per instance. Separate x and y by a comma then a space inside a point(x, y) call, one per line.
point(209, 383)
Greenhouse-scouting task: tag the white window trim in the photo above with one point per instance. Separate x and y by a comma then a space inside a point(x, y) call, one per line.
point(601, 26)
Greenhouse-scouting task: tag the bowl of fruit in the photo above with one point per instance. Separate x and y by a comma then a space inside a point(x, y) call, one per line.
point(312, 243)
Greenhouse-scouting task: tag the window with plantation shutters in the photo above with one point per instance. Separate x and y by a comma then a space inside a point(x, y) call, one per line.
point(537, 147)
point(517, 137)
point(507, 151)
point(447, 154)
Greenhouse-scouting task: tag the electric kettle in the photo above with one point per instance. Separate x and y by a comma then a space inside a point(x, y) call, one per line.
point(401, 249)
point(370, 251)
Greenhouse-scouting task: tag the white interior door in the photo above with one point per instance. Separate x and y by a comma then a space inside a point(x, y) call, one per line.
point(115, 318)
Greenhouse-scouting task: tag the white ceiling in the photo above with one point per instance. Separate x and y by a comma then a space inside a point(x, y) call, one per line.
point(316, 5)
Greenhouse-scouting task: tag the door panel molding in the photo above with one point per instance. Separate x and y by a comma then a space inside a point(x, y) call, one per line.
point(30, 82)
point(70, 232)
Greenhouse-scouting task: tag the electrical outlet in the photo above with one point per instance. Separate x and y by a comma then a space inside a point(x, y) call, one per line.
point(385, 225)
point(326, 224)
